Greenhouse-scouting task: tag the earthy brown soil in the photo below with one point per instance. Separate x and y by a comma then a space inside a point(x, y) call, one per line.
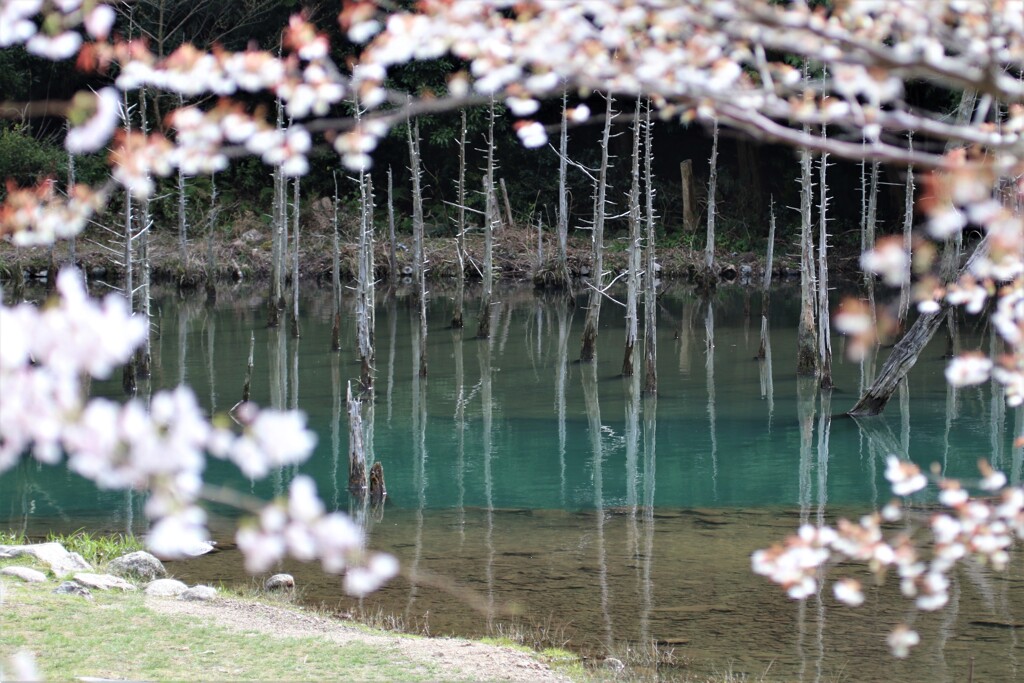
point(243, 253)
point(454, 658)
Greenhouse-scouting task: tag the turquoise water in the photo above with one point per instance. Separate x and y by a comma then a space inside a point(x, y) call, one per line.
point(535, 490)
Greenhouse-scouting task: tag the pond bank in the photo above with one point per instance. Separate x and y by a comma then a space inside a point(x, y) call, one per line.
point(234, 637)
point(245, 255)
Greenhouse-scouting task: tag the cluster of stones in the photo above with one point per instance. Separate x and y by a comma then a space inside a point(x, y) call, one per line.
point(123, 573)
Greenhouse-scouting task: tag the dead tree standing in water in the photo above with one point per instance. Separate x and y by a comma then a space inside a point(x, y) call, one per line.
point(490, 217)
point(806, 336)
point(419, 272)
point(709, 278)
point(365, 283)
point(824, 329)
point(650, 269)
point(563, 198)
point(588, 350)
point(356, 452)
point(296, 332)
point(336, 272)
point(634, 250)
point(128, 374)
point(460, 227)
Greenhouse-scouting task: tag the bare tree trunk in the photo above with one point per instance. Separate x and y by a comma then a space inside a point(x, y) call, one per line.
point(905, 353)
point(182, 218)
point(392, 258)
point(650, 269)
point(364, 284)
point(211, 260)
point(143, 356)
point(633, 273)
point(709, 247)
point(490, 217)
point(588, 350)
point(296, 332)
point(274, 296)
point(458, 319)
point(128, 375)
point(867, 242)
point(356, 453)
point(563, 197)
point(908, 224)
point(247, 386)
point(824, 329)
point(336, 271)
point(70, 189)
point(419, 274)
point(806, 339)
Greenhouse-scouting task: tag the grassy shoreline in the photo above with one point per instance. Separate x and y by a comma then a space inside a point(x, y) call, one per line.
point(134, 636)
point(243, 254)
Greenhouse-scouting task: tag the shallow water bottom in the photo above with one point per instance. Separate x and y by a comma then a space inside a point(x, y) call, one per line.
point(618, 581)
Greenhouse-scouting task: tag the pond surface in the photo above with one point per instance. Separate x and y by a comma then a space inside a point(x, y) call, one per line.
point(530, 493)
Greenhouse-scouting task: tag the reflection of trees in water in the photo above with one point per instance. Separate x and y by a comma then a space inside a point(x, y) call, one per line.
point(766, 379)
point(562, 370)
point(650, 411)
point(709, 366)
point(419, 476)
point(486, 350)
point(460, 429)
point(594, 428)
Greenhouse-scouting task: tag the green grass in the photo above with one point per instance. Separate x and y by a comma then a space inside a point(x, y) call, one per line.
point(12, 538)
point(97, 549)
point(116, 636)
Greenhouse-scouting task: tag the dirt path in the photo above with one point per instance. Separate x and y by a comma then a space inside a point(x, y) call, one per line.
point(452, 658)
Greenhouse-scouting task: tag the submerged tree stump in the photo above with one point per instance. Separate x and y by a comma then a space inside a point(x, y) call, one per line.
point(378, 491)
point(356, 453)
point(904, 354)
point(898, 364)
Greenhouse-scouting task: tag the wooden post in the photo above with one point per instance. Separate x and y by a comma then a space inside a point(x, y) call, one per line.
point(689, 196)
point(508, 206)
point(378, 491)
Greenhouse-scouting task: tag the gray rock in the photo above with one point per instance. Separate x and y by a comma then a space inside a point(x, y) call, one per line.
point(165, 588)
point(73, 588)
point(53, 554)
point(613, 664)
point(196, 593)
point(279, 582)
point(25, 574)
point(253, 235)
point(138, 564)
point(103, 582)
point(195, 548)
